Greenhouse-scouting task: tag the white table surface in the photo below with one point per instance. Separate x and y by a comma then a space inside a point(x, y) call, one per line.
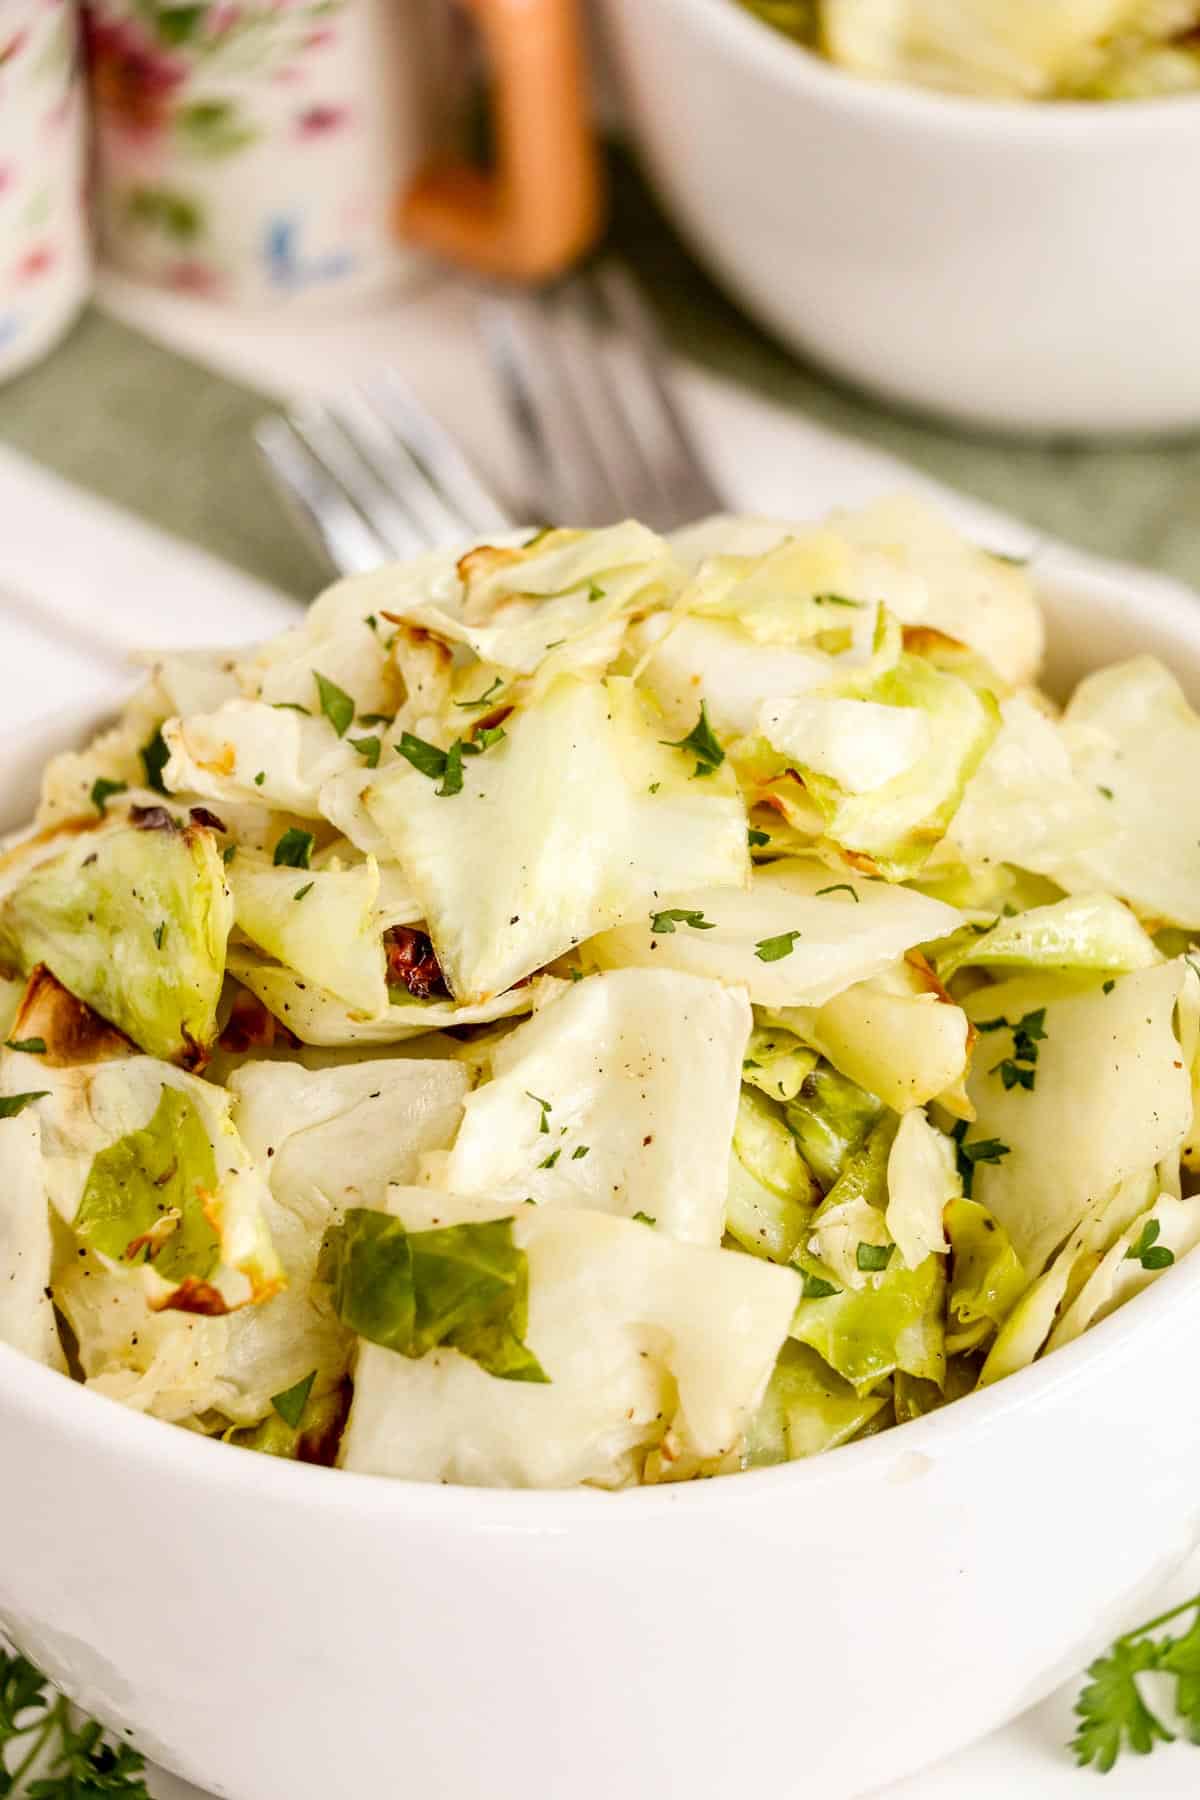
point(81, 585)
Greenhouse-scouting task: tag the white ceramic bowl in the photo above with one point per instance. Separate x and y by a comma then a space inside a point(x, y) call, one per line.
point(276, 1632)
point(1029, 267)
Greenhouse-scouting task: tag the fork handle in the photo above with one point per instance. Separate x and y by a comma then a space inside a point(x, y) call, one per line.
point(542, 206)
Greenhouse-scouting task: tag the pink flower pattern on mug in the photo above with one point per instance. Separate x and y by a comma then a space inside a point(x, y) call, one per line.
point(169, 85)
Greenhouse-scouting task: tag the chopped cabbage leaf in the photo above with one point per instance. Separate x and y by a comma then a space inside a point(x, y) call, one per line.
point(986, 1277)
point(893, 825)
point(1174, 1229)
point(684, 657)
point(111, 1133)
point(806, 1409)
point(859, 745)
point(322, 924)
point(318, 1017)
point(134, 922)
point(252, 750)
point(848, 930)
point(1025, 804)
point(1085, 931)
point(586, 1106)
point(1111, 1097)
point(1134, 737)
point(922, 1180)
point(903, 552)
point(906, 1047)
point(26, 1243)
point(831, 1118)
point(553, 601)
point(777, 1063)
point(867, 1333)
point(1104, 1220)
point(772, 1191)
point(851, 1215)
point(579, 819)
point(648, 1343)
point(462, 1286)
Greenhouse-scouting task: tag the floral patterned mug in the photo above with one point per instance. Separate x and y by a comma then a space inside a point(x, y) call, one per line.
point(45, 261)
point(260, 151)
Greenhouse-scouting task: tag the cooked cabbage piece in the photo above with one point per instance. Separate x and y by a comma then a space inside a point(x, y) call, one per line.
point(133, 919)
point(646, 1343)
point(586, 1106)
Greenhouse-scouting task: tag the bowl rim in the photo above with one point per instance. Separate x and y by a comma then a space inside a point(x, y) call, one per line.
point(1088, 125)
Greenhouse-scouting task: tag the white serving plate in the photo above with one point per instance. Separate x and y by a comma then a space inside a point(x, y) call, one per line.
point(816, 1630)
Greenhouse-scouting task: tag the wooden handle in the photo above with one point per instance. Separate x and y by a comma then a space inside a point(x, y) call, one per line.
point(542, 206)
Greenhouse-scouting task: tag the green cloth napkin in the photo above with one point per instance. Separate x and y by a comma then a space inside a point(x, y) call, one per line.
point(168, 439)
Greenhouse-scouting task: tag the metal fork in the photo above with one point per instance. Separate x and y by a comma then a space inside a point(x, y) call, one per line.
point(373, 477)
point(583, 373)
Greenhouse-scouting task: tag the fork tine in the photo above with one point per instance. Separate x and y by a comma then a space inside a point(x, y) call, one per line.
point(575, 482)
point(682, 470)
point(316, 500)
point(594, 376)
point(401, 475)
point(331, 438)
point(472, 503)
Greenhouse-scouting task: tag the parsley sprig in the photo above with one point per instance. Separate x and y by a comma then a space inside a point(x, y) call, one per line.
point(1111, 1711)
point(42, 1757)
point(1019, 1069)
point(703, 743)
point(983, 1150)
point(662, 924)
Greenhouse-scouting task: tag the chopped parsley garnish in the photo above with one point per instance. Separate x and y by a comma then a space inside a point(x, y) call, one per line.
point(595, 592)
point(376, 719)
point(1029, 1031)
point(291, 1403)
point(155, 757)
point(160, 934)
point(44, 1757)
point(426, 758)
point(336, 704)
point(1108, 987)
point(260, 778)
point(12, 1104)
point(702, 742)
point(34, 1046)
point(983, 1150)
point(228, 853)
point(663, 923)
point(548, 1162)
point(372, 621)
point(873, 1257)
point(103, 791)
point(446, 764)
point(757, 839)
point(644, 1218)
point(301, 891)
point(815, 1287)
point(836, 600)
point(774, 949)
point(1012, 1074)
point(1112, 1714)
point(485, 699)
point(1150, 1253)
point(294, 849)
point(547, 1109)
point(579, 1150)
point(841, 887)
point(368, 748)
point(1106, 791)
point(654, 787)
